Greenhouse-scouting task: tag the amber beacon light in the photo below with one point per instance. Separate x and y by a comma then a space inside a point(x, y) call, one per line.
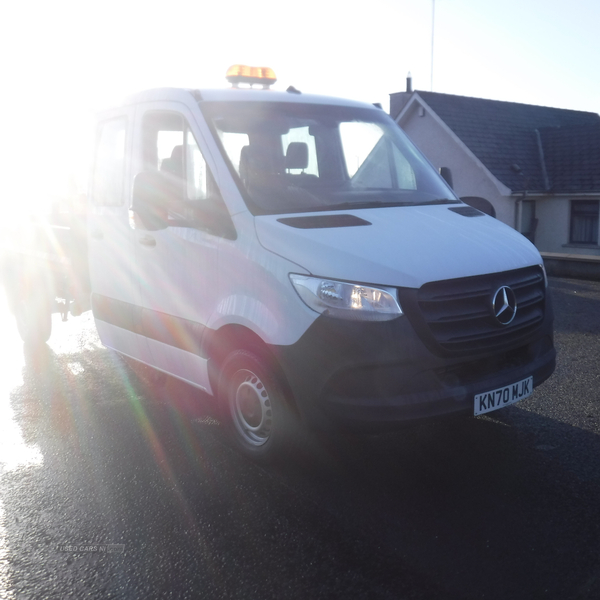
point(264, 76)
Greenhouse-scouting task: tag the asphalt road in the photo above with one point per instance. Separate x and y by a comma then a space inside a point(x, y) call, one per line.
point(113, 487)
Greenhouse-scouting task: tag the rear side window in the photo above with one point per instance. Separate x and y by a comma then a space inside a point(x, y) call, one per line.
point(109, 164)
point(301, 135)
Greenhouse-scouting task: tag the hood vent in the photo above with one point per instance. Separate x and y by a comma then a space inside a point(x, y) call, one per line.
point(467, 211)
point(324, 221)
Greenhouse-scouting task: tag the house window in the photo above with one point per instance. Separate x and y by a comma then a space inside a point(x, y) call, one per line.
point(584, 221)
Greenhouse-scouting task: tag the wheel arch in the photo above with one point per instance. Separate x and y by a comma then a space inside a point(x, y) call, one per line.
point(238, 337)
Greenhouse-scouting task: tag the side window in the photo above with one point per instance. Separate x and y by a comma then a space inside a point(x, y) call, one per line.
point(405, 175)
point(196, 172)
point(109, 164)
point(166, 141)
point(373, 161)
point(358, 141)
point(300, 135)
point(169, 146)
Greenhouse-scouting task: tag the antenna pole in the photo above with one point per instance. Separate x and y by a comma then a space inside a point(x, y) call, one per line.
point(432, 37)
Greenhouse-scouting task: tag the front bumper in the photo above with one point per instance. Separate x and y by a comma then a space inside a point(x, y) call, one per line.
point(367, 375)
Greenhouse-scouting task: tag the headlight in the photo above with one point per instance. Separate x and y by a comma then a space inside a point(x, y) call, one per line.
point(347, 300)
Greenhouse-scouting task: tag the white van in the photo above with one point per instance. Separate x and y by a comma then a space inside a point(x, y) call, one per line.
point(296, 257)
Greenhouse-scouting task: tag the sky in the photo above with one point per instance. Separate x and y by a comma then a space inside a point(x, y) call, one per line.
point(63, 60)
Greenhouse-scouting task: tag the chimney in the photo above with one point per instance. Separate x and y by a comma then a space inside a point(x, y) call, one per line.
point(398, 100)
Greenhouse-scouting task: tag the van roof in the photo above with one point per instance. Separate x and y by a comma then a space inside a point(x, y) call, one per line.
point(238, 95)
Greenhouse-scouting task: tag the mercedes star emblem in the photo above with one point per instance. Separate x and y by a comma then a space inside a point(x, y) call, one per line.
point(504, 305)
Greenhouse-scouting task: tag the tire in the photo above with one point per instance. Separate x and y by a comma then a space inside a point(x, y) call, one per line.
point(34, 320)
point(254, 408)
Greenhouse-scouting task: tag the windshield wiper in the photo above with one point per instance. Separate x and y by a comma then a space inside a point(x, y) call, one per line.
point(439, 201)
point(384, 203)
point(369, 204)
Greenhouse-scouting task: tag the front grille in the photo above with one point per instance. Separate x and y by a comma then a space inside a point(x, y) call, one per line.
point(457, 314)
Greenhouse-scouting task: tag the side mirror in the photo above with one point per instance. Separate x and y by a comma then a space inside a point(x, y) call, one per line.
point(485, 206)
point(150, 199)
point(446, 174)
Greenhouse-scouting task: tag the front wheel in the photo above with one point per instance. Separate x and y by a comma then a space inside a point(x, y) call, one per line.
point(254, 407)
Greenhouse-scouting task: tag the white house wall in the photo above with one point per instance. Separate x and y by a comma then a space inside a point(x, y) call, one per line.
point(552, 234)
point(442, 150)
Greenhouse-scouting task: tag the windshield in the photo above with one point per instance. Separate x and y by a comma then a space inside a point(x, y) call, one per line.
point(304, 157)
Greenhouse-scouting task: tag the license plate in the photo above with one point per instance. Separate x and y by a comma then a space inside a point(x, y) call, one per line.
point(504, 396)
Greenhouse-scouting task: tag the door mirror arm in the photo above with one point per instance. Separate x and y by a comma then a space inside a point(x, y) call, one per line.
point(213, 219)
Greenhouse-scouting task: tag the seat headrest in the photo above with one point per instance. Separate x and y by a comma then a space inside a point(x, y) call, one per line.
point(177, 153)
point(174, 164)
point(296, 156)
point(256, 159)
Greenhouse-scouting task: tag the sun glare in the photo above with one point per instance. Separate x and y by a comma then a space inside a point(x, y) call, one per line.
point(15, 453)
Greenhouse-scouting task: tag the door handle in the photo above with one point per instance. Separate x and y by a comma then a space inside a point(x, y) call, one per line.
point(147, 240)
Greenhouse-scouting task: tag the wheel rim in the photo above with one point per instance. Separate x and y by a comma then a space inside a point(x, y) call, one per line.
point(251, 408)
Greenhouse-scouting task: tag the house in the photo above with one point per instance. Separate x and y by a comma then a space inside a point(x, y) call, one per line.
point(538, 166)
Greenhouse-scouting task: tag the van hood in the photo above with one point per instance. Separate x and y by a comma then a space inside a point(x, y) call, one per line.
point(398, 246)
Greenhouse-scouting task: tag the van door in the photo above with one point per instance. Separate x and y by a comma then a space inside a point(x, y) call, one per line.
point(178, 266)
point(114, 283)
